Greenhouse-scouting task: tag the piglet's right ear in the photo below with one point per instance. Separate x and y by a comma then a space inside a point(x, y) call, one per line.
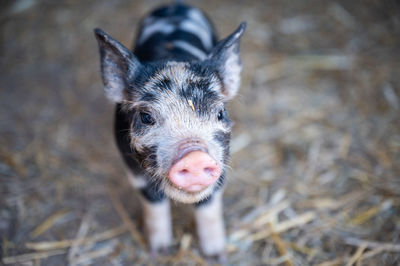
point(118, 65)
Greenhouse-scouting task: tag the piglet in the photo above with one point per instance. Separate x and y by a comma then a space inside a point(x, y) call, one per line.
point(171, 125)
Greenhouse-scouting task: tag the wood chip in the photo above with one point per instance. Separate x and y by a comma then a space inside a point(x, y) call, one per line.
point(48, 223)
point(357, 255)
point(283, 226)
point(32, 256)
point(365, 215)
point(125, 217)
point(191, 105)
point(89, 256)
point(280, 245)
point(50, 245)
point(82, 231)
point(185, 242)
point(373, 244)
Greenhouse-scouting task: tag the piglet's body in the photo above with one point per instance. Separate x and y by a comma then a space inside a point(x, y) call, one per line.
point(170, 122)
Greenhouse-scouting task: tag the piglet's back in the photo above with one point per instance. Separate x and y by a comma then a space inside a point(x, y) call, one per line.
point(176, 32)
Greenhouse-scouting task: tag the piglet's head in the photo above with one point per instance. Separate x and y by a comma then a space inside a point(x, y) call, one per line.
point(179, 128)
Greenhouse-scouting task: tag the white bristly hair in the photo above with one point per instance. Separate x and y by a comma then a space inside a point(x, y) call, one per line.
point(210, 226)
point(191, 49)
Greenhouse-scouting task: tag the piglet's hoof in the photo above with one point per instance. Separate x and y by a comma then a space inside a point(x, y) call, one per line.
point(220, 258)
point(160, 252)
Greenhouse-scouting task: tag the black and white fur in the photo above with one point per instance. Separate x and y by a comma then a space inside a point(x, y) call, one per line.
point(171, 88)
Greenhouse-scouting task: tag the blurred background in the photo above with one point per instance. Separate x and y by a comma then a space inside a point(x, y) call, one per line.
point(315, 176)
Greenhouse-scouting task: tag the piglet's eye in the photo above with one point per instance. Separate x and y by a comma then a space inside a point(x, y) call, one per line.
point(146, 118)
point(221, 115)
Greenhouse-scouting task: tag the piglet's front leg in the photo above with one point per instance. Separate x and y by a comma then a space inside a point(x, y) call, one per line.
point(210, 226)
point(157, 219)
point(156, 214)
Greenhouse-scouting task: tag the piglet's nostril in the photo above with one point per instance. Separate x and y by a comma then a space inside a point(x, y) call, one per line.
point(184, 172)
point(209, 171)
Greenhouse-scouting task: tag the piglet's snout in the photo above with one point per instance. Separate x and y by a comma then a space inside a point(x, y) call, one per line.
point(195, 171)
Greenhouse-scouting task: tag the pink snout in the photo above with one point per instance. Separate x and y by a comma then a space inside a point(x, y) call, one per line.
point(194, 172)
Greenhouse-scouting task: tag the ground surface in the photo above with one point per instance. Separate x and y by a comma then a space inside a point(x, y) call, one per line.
point(316, 145)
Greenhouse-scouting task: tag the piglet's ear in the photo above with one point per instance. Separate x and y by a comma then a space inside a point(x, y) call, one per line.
point(118, 65)
point(226, 56)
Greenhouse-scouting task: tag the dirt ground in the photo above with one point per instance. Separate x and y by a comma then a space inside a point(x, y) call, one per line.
point(315, 176)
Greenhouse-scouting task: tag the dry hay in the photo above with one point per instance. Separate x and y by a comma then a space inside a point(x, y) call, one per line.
point(315, 163)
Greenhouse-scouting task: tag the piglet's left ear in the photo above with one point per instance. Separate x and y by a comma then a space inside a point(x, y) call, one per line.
point(118, 66)
point(226, 56)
